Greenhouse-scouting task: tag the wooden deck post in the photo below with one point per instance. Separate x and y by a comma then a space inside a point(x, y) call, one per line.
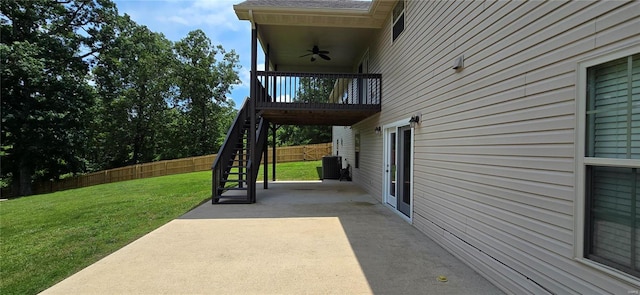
point(266, 138)
point(273, 151)
point(251, 185)
point(275, 128)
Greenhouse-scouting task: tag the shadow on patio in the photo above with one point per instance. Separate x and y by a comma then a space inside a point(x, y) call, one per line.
point(299, 238)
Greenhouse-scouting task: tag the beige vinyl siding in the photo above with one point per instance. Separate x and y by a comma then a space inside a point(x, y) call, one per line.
point(494, 153)
point(369, 174)
point(343, 144)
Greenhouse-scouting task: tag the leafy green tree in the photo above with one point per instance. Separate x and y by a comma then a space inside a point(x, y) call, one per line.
point(135, 81)
point(314, 90)
point(205, 75)
point(45, 50)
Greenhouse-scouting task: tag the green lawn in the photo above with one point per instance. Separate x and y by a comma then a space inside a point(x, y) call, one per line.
point(46, 238)
point(308, 170)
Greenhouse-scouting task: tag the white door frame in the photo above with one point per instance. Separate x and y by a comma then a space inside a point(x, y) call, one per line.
point(387, 129)
point(388, 199)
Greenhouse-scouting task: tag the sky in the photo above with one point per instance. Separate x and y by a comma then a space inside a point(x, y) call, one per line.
point(176, 18)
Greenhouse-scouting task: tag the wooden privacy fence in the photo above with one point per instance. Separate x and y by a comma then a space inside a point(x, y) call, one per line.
point(146, 170)
point(168, 167)
point(312, 152)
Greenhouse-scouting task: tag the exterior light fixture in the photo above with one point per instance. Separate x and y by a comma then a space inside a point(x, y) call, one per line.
point(378, 130)
point(415, 120)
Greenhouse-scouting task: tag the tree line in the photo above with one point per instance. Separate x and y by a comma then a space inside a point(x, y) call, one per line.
point(84, 89)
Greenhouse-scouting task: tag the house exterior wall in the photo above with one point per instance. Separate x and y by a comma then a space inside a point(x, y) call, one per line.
point(343, 144)
point(369, 172)
point(494, 155)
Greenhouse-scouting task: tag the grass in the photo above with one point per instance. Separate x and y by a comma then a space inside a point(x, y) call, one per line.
point(308, 170)
point(46, 238)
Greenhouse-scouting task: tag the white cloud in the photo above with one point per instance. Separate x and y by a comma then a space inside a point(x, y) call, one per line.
point(245, 75)
point(177, 19)
point(216, 14)
point(216, 17)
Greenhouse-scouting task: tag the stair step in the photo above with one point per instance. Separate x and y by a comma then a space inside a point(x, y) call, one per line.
point(237, 160)
point(236, 173)
point(243, 166)
point(233, 188)
point(231, 200)
point(235, 180)
point(232, 167)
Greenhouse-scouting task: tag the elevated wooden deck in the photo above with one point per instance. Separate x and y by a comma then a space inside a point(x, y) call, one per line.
point(337, 99)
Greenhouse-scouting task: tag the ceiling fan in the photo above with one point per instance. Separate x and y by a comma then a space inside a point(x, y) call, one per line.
point(315, 52)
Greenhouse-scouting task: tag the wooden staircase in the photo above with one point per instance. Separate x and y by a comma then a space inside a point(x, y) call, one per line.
point(233, 172)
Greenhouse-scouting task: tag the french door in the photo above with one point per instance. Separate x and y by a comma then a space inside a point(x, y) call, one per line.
point(398, 167)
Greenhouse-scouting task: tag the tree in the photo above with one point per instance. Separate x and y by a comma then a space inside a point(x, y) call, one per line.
point(314, 90)
point(205, 76)
point(135, 81)
point(46, 97)
point(138, 103)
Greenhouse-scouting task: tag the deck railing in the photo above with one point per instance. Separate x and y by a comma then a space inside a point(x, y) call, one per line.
point(319, 88)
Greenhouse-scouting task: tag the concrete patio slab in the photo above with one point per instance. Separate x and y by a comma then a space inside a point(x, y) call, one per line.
point(299, 238)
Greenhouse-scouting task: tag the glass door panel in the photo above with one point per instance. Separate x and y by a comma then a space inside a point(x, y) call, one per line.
point(404, 171)
point(390, 167)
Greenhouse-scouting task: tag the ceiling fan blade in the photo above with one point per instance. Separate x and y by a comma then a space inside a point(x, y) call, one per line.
point(315, 52)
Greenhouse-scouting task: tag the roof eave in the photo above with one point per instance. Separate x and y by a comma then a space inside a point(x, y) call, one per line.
point(363, 18)
point(273, 9)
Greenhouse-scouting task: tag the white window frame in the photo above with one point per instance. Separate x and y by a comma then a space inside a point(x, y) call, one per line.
point(394, 21)
point(582, 161)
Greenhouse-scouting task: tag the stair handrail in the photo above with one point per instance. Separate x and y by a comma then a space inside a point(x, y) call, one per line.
point(261, 132)
point(226, 150)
